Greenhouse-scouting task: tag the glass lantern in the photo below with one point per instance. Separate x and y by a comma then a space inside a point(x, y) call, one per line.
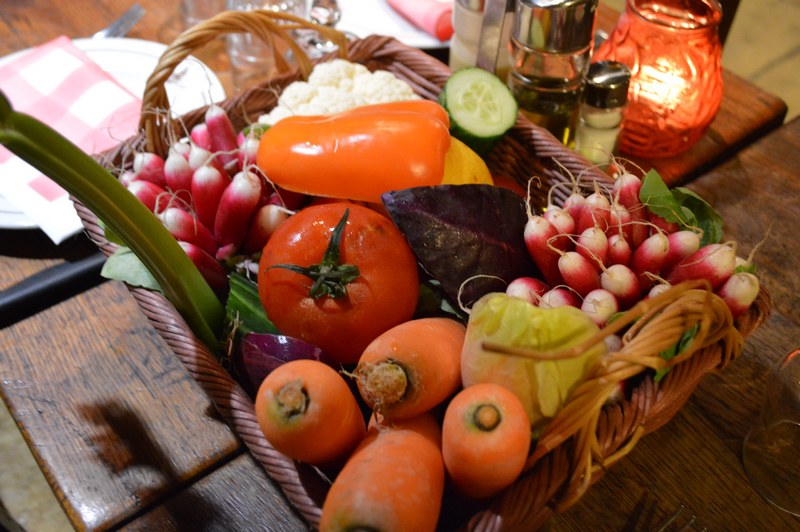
point(673, 50)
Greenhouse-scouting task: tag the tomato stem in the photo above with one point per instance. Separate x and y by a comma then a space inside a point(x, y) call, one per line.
point(330, 276)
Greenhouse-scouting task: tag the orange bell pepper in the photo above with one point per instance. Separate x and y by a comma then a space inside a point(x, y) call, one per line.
point(358, 154)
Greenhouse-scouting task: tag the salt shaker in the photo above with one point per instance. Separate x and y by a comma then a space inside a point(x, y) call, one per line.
point(605, 94)
point(551, 44)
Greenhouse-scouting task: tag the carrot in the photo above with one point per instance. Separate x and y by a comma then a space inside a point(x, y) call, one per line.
point(486, 435)
point(412, 367)
point(307, 412)
point(394, 480)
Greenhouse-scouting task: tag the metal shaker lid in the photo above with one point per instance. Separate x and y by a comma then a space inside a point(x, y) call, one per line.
point(606, 84)
point(472, 5)
point(555, 25)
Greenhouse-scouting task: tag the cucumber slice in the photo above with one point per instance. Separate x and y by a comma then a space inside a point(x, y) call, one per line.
point(481, 108)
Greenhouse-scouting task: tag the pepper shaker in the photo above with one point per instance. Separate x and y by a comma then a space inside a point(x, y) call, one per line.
point(604, 97)
point(551, 44)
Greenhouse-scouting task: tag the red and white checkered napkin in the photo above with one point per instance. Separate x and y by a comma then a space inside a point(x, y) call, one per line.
point(63, 88)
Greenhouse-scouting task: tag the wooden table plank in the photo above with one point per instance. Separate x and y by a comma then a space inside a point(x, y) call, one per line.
point(238, 495)
point(113, 418)
point(695, 459)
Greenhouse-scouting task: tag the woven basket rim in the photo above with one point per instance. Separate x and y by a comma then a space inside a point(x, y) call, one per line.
point(547, 486)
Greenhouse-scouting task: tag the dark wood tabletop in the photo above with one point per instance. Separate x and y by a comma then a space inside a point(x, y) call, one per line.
point(128, 440)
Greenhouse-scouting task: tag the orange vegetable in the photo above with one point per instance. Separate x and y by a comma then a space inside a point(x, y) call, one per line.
point(358, 154)
point(486, 435)
point(394, 480)
point(412, 367)
point(307, 412)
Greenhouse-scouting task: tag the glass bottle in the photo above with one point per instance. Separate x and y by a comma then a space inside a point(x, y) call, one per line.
point(551, 44)
point(467, 17)
point(673, 50)
point(604, 96)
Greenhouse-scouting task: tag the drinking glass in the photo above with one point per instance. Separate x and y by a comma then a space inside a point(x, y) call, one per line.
point(771, 451)
point(195, 11)
point(251, 59)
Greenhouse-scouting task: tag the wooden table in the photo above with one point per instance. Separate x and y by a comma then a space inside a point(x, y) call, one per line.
point(128, 440)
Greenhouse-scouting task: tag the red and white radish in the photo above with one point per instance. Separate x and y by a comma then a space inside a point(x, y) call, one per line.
point(657, 289)
point(662, 224)
point(208, 185)
point(539, 235)
point(575, 205)
point(681, 244)
point(714, 262)
point(184, 226)
point(529, 289)
point(619, 221)
point(181, 148)
point(199, 156)
point(248, 150)
point(648, 259)
point(560, 219)
point(592, 243)
point(626, 191)
point(178, 176)
point(559, 296)
point(222, 137)
point(266, 220)
point(211, 270)
point(236, 207)
point(201, 137)
point(739, 292)
point(150, 167)
point(578, 273)
point(596, 212)
point(600, 305)
point(151, 195)
point(619, 250)
point(623, 283)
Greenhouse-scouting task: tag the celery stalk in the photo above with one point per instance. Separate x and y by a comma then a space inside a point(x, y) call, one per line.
point(139, 229)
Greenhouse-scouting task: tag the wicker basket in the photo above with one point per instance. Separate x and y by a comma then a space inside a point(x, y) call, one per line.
point(588, 435)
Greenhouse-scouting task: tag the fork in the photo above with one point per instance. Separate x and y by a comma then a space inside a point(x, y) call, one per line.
point(689, 525)
point(123, 24)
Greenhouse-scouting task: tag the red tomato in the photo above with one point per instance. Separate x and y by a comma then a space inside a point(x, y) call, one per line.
point(384, 293)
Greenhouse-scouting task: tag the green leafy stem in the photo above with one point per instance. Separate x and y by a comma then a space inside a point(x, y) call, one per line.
point(137, 227)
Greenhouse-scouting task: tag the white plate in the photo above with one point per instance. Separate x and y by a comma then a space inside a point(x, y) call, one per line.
point(376, 17)
point(130, 62)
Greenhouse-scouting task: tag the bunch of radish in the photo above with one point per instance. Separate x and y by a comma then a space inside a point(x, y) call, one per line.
point(604, 252)
point(209, 194)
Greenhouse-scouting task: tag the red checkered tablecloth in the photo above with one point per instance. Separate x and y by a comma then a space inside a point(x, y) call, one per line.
point(63, 88)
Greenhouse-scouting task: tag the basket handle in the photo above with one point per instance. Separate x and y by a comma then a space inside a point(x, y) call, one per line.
point(262, 23)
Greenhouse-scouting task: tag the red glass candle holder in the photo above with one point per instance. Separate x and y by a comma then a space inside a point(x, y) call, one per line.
point(673, 50)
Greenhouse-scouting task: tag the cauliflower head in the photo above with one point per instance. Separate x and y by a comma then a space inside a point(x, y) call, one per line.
point(336, 86)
